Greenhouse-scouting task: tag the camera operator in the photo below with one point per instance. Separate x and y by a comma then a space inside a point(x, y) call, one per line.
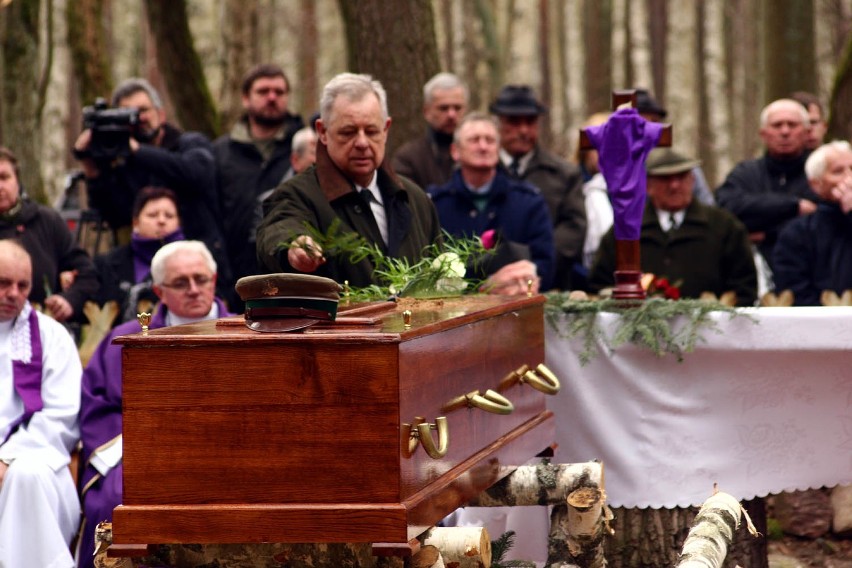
point(159, 154)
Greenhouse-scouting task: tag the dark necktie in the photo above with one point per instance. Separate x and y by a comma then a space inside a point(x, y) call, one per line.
point(515, 168)
point(672, 222)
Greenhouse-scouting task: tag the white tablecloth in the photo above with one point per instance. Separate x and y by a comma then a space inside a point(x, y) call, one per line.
point(757, 408)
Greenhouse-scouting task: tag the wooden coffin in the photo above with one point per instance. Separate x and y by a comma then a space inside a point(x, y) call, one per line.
point(236, 436)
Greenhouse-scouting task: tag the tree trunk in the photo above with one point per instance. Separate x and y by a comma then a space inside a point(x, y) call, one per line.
point(717, 143)
point(546, 125)
point(20, 106)
point(789, 44)
point(239, 38)
point(682, 82)
point(840, 111)
point(89, 53)
point(640, 45)
point(308, 65)
point(600, 76)
point(181, 67)
point(621, 75)
point(650, 538)
point(403, 57)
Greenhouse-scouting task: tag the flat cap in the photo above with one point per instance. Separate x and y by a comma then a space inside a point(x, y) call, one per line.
point(287, 302)
point(666, 162)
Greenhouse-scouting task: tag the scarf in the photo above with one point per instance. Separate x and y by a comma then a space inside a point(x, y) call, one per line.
point(27, 363)
point(144, 250)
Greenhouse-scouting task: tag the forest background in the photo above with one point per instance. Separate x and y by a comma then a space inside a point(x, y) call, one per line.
point(712, 63)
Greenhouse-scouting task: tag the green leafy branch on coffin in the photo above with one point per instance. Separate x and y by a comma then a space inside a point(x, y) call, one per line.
point(440, 272)
point(647, 324)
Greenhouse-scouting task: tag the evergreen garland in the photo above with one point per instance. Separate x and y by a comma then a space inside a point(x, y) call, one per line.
point(647, 323)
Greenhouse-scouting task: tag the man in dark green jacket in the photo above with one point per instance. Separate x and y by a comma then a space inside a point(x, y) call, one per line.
point(704, 248)
point(347, 183)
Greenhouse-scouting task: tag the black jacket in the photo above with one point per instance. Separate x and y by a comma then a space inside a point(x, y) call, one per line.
point(764, 194)
point(44, 234)
point(814, 254)
point(243, 175)
point(184, 163)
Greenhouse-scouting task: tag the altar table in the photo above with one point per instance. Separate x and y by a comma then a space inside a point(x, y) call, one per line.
point(762, 405)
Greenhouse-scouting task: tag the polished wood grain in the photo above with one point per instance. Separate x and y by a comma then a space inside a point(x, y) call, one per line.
point(236, 436)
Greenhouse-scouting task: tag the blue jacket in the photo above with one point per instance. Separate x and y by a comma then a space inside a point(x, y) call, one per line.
point(516, 209)
point(814, 253)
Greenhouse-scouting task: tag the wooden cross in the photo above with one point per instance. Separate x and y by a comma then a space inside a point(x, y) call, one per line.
point(628, 268)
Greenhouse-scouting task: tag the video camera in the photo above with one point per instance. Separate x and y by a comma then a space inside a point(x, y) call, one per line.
point(111, 130)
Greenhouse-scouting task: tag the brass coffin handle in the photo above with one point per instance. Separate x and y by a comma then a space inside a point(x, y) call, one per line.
point(492, 401)
point(513, 378)
point(542, 379)
point(409, 436)
point(424, 433)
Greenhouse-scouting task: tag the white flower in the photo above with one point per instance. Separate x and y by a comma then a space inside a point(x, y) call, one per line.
point(449, 264)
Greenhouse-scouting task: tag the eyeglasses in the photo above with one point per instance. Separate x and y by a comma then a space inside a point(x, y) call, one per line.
point(184, 284)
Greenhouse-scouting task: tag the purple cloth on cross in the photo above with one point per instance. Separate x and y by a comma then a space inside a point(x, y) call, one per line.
point(623, 142)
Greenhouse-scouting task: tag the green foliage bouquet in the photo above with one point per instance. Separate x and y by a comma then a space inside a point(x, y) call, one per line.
point(439, 273)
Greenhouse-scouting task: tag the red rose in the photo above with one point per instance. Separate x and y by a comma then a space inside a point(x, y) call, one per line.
point(661, 283)
point(672, 293)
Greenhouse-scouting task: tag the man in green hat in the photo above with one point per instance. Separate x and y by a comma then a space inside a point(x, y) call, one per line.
point(704, 248)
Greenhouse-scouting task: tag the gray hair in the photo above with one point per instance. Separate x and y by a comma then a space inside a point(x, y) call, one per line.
point(443, 82)
point(784, 103)
point(476, 116)
point(354, 87)
point(818, 160)
point(134, 85)
point(158, 263)
point(302, 138)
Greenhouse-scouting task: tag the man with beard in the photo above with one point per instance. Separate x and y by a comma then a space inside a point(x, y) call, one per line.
point(252, 159)
point(160, 155)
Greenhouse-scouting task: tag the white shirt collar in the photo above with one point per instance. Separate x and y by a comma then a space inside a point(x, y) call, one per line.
point(665, 218)
point(174, 319)
point(523, 161)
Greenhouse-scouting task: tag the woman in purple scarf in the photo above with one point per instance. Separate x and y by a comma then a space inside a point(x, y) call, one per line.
point(125, 272)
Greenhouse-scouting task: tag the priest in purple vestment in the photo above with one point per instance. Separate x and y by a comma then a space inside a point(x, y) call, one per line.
point(184, 277)
point(40, 373)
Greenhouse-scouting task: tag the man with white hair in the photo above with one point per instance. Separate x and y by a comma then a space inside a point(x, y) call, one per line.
point(349, 185)
point(426, 160)
point(184, 278)
point(40, 371)
point(767, 192)
point(814, 253)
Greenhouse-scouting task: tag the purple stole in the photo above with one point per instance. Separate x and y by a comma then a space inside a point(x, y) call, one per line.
point(27, 376)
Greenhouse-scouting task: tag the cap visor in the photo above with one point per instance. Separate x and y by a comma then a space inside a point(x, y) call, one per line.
point(278, 325)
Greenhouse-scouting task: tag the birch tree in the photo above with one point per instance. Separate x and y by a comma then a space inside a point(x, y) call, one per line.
point(715, 82)
point(240, 52)
point(640, 45)
point(682, 77)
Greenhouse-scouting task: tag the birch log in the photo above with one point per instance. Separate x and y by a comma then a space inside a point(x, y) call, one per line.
point(428, 557)
point(580, 518)
point(712, 532)
point(540, 484)
point(463, 547)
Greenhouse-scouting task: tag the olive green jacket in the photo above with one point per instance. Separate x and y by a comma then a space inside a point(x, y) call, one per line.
point(321, 194)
